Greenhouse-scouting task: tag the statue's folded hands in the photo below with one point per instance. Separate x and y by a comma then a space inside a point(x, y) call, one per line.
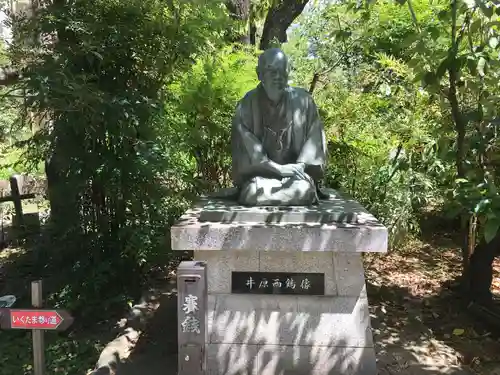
point(295, 170)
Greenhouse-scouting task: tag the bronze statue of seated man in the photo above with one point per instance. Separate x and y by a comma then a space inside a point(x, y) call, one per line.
point(278, 143)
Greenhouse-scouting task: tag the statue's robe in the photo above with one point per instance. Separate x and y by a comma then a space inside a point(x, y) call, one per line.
point(287, 133)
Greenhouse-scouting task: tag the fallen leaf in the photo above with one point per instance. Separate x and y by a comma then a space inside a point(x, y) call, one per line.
point(458, 331)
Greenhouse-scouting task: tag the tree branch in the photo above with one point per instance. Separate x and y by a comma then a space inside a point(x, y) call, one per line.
point(413, 16)
point(318, 75)
point(278, 19)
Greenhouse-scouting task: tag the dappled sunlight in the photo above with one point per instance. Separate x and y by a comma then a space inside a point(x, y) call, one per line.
point(267, 335)
point(417, 266)
point(214, 224)
point(417, 322)
point(11, 253)
point(495, 287)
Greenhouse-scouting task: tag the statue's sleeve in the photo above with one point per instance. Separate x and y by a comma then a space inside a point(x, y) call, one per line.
point(313, 152)
point(246, 150)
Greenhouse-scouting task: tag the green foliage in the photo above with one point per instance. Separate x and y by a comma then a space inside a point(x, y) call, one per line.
point(64, 355)
point(381, 126)
point(424, 76)
point(458, 64)
point(200, 109)
point(99, 90)
point(133, 121)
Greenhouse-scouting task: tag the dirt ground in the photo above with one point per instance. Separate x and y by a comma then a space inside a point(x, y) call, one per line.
point(420, 327)
point(419, 324)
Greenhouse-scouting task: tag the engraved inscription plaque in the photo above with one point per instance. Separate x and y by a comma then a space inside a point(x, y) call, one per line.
point(278, 283)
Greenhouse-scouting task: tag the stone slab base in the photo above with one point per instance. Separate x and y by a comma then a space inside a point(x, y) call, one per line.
point(247, 359)
point(338, 224)
point(344, 274)
point(318, 321)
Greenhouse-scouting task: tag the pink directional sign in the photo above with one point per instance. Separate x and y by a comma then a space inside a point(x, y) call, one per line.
point(35, 319)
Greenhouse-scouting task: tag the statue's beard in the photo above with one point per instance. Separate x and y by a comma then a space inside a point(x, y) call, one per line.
point(274, 90)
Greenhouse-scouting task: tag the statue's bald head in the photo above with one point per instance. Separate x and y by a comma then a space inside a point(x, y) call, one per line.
point(274, 57)
point(272, 70)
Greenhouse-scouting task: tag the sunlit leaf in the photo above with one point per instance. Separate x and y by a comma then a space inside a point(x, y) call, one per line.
point(481, 65)
point(493, 42)
point(482, 205)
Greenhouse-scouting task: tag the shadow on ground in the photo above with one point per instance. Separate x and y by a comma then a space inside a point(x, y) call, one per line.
point(418, 314)
point(70, 352)
point(156, 349)
point(413, 337)
point(420, 324)
point(433, 335)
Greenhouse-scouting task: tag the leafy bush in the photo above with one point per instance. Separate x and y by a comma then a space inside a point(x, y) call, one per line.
point(201, 106)
point(381, 127)
point(96, 77)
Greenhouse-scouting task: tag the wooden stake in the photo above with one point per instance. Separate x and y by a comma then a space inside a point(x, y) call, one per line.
point(38, 344)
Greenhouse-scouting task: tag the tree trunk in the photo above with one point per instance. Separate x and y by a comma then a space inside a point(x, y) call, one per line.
point(278, 19)
point(239, 10)
point(480, 274)
point(460, 128)
point(253, 31)
point(61, 195)
point(314, 82)
point(459, 162)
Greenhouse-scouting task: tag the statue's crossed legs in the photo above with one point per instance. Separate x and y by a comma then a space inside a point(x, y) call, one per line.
point(289, 191)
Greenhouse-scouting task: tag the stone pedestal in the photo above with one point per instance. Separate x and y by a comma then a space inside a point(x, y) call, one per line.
point(278, 334)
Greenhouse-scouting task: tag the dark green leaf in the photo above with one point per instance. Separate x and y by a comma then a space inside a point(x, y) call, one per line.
point(487, 11)
point(491, 228)
point(435, 32)
point(472, 65)
point(475, 26)
point(441, 70)
point(430, 78)
point(443, 15)
point(410, 39)
point(421, 47)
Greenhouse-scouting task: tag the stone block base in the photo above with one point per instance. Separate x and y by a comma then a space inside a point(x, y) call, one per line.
point(248, 359)
point(279, 334)
point(289, 335)
point(289, 320)
point(344, 274)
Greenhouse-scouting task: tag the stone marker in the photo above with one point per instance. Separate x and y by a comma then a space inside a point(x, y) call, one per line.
point(266, 313)
point(192, 315)
point(286, 287)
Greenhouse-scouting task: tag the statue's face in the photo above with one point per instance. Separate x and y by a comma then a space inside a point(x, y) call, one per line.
point(274, 76)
